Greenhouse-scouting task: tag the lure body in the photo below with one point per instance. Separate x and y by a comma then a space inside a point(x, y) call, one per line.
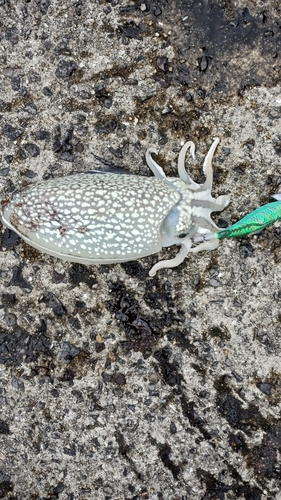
point(252, 223)
point(102, 218)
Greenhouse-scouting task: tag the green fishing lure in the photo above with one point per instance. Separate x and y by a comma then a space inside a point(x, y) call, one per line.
point(252, 223)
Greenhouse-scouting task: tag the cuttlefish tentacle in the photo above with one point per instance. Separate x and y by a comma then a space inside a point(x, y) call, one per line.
point(156, 169)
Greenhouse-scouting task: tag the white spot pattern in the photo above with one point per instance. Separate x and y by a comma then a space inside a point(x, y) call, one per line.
point(119, 216)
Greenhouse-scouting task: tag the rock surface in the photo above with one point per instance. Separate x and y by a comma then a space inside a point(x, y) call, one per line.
point(114, 385)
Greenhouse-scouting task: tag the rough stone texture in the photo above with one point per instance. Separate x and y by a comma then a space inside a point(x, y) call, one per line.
point(114, 385)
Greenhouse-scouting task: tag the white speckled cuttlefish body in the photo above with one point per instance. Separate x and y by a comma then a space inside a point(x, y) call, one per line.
point(104, 218)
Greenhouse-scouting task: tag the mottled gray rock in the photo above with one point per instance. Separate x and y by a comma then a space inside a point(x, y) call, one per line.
point(114, 385)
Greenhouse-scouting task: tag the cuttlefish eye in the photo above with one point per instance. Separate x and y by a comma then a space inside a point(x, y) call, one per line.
point(178, 223)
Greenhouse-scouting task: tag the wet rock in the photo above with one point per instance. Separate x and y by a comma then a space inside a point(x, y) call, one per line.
point(42, 135)
point(24, 11)
point(4, 171)
point(244, 14)
point(157, 11)
point(85, 95)
point(201, 93)
point(11, 132)
point(44, 5)
point(69, 451)
point(116, 152)
point(162, 63)
point(16, 83)
point(22, 154)
point(29, 173)
point(32, 149)
point(214, 283)
point(30, 108)
point(227, 151)
point(10, 320)
point(47, 45)
point(65, 146)
point(182, 74)
point(130, 30)
point(74, 322)
point(265, 388)
point(108, 102)
point(169, 369)
point(119, 378)
point(102, 93)
point(263, 460)
point(99, 346)
point(81, 118)
point(237, 442)
point(173, 428)
point(82, 131)
point(58, 277)
point(6, 487)
point(164, 454)
point(5, 107)
point(18, 384)
point(65, 69)
point(4, 429)
point(236, 415)
point(144, 7)
point(62, 50)
point(67, 156)
point(203, 63)
point(47, 92)
point(19, 280)
point(107, 128)
point(245, 249)
point(79, 147)
point(29, 54)
point(20, 346)
point(106, 377)
point(69, 351)
point(277, 144)
point(81, 274)
point(55, 304)
point(9, 239)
